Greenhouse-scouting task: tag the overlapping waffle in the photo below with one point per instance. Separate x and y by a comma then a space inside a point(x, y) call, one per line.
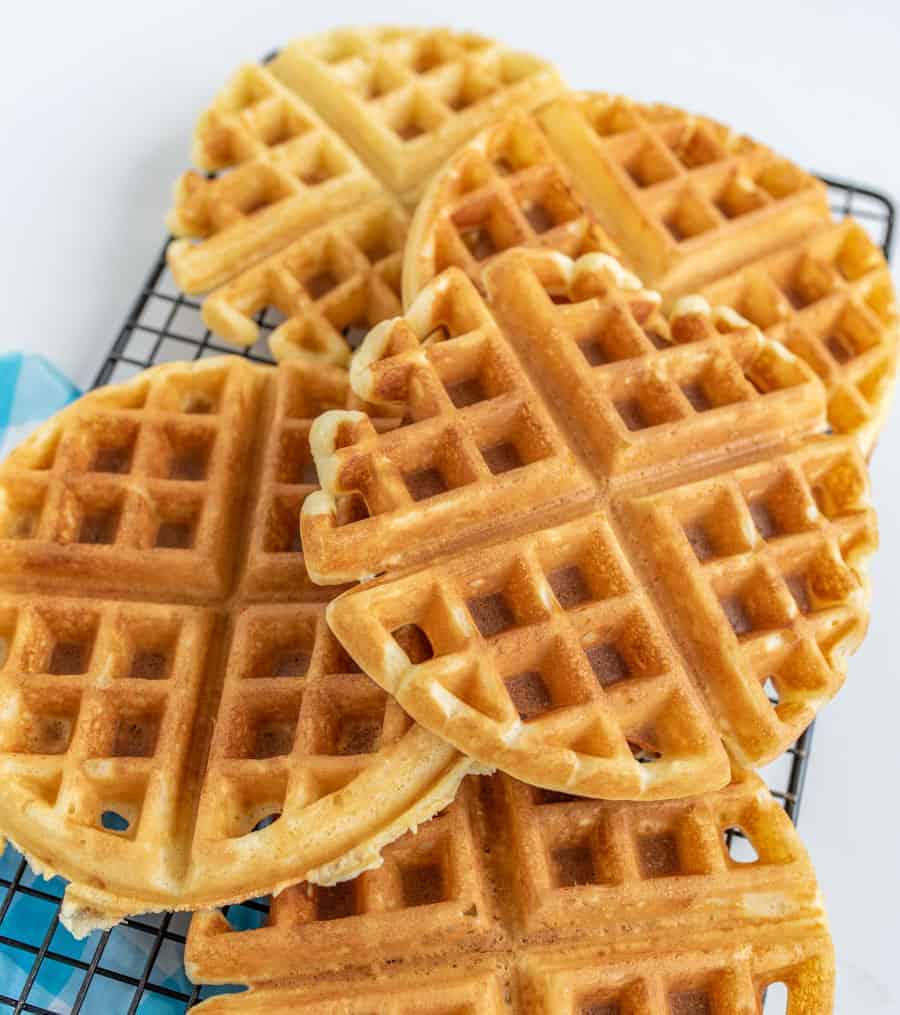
point(679, 197)
point(297, 222)
point(169, 683)
point(606, 535)
point(686, 198)
point(687, 202)
point(517, 900)
point(406, 98)
point(506, 188)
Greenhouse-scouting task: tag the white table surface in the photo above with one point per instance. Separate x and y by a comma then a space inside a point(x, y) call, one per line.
point(98, 102)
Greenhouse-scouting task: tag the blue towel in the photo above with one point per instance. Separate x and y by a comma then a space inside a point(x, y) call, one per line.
point(31, 389)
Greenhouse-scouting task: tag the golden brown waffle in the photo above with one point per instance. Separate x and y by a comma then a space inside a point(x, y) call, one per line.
point(520, 901)
point(605, 531)
point(406, 98)
point(592, 161)
point(169, 682)
point(330, 286)
point(830, 299)
point(506, 188)
point(686, 198)
point(288, 173)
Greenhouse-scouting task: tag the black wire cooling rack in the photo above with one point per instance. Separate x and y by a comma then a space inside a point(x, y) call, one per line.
point(137, 967)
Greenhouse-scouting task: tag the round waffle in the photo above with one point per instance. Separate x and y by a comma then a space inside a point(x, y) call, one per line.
point(690, 206)
point(611, 541)
point(179, 727)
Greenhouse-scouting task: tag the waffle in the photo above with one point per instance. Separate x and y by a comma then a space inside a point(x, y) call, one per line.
point(330, 286)
point(288, 173)
point(605, 535)
point(506, 188)
point(170, 684)
point(684, 201)
point(518, 901)
point(830, 299)
point(686, 198)
point(406, 98)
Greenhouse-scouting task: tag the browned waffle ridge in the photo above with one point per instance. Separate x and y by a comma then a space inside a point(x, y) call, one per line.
point(169, 682)
point(687, 198)
point(519, 901)
point(606, 535)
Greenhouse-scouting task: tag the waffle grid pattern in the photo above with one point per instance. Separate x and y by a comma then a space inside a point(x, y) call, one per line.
point(530, 705)
point(406, 96)
point(820, 286)
point(139, 962)
point(685, 184)
point(558, 620)
point(280, 734)
point(152, 475)
point(774, 545)
point(109, 724)
point(329, 287)
point(830, 300)
point(288, 171)
point(514, 192)
point(480, 430)
point(273, 561)
point(502, 871)
point(111, 760)
point(629, 370)
point(438, 867)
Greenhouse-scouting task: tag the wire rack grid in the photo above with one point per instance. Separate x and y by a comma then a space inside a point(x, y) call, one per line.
point(137, 967)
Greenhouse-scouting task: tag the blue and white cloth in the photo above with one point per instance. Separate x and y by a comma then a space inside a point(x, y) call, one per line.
point(31, 389)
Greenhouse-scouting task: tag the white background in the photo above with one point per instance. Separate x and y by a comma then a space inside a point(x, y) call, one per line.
point(98, 103)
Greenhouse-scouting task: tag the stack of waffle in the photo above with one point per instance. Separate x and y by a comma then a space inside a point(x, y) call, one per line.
point(460, 630)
